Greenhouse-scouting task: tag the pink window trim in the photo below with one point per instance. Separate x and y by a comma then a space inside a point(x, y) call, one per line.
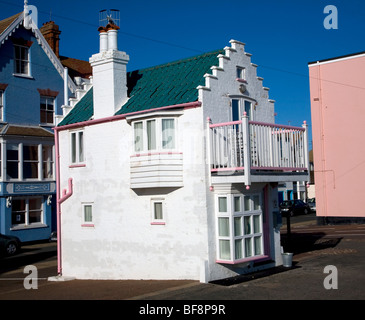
point(158, 223)
point(89, 225)
point(77, 165)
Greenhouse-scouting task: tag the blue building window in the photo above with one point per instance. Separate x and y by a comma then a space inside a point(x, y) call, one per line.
point(21, 60)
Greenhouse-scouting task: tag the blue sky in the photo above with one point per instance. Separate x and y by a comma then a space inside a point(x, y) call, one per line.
point(282, 36)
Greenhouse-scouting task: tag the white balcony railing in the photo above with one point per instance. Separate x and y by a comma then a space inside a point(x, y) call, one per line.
point(250, 145)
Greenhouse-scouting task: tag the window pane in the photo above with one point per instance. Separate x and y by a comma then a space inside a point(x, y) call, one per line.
point(88, 217)
point(238, 226)
point(151, 134)
point(158, 210)
point(18, 211)
point(168, 133)
point(248, 109)
point(247, 204)
point(256, 223)
point(138, 136)
point(12, 163)
point(247, 225)
point(223, 227)
point(224, 249)
point(35, 210)
point(235, 110)
point(258, 246)
point(81, 146)
point(222, 204)
point(237, 204)
point(73, 147)
point(256, 202)
point(30, 170)
point(47, 155)
point(238, 252)
point(30, 153)
point(248, 247)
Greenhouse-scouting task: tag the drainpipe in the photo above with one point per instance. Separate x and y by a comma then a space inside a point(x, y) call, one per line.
point(60, 199)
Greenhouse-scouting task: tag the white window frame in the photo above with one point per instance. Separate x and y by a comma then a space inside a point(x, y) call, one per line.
point(86, 222)
point(240, 243)
point(156, 220)
point(46, 111)
point(77, 147)
point(157, 145)
point(18, 59)
point(27, 212)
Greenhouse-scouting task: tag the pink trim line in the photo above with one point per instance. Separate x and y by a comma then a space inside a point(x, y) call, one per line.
point(77, 165)
point(231, 123)
point(154, 154)
point(258, 258)
point(158, 223)
point(241, 80)
point(87, 225)
point(280, 168)
point(228, 169)
point(276, 125)
point(187, 105)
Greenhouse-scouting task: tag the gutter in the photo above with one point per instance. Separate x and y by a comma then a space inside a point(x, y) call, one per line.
point(187, 105)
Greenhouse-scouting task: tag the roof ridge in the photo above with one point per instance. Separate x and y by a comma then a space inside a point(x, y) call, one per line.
point(179, 61)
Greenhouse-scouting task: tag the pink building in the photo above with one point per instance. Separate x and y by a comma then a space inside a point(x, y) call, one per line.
point(337, 93)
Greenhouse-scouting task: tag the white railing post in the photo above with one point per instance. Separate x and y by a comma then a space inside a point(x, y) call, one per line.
point(306, 151)
point(209, 141)
point(246, 150)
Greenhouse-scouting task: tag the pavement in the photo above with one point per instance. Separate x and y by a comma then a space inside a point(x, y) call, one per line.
point(328, 264)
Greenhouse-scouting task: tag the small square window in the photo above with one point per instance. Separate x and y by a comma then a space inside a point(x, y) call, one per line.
point(241, 73)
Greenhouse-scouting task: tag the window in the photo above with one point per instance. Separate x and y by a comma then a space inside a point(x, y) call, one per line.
point(47, 158)
point(12, 161)
point(239, 227)
point(47, 110)
point(241, 73)
point(239, 106)
point(21, 60)
point(26, 211)
point(87, 214)
point(155, 134)
point(33, 161)
point(157, 206)
point(77, 147)
point(30, 162)
point(1, 105)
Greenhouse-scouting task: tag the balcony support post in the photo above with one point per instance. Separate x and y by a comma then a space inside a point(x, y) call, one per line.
point(246, 150)
point(209, 154)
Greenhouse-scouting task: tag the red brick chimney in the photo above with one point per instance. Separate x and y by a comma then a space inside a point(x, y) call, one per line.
point(51, 33)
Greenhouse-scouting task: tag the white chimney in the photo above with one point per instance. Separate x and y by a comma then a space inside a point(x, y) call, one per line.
point(109, 74)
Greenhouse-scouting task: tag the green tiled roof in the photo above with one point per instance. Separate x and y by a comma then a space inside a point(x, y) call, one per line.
point(164, 85)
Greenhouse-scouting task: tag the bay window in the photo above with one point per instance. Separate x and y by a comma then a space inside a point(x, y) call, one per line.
point(239, 227)
point(29, 161)
point(155, 134)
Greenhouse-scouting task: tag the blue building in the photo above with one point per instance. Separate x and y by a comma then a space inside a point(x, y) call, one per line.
point(32, 92)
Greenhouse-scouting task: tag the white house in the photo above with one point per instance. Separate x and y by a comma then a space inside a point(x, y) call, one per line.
point(171, 172)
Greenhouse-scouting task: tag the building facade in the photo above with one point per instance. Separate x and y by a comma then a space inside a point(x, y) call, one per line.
point(337, 112)
point(171, 172)
point(32, 90)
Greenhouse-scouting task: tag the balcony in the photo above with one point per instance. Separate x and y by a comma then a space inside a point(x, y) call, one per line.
point(250, 151)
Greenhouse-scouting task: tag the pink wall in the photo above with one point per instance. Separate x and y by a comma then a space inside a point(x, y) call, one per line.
point(337, 94)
